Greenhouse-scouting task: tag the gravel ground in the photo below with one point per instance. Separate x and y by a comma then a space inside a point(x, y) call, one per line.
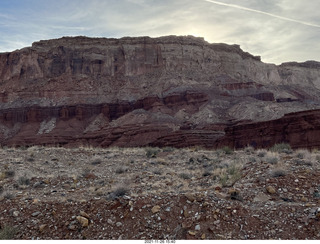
point(152, 193)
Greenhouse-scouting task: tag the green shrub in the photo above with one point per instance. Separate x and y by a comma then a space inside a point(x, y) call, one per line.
point(7, 233)
point(23, 180)
point(152, 152)
point(227, 150)
point(278, 173)
point(281, 148)
point(231, 175)
point(185, 176)
point(272, 160)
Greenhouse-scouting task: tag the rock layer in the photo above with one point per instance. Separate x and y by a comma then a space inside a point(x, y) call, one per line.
point(167, 91)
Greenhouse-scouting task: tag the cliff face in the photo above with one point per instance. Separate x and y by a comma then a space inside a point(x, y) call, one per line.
point(143, 91)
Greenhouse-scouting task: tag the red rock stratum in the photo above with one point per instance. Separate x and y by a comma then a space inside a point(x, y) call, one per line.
point(168, 91)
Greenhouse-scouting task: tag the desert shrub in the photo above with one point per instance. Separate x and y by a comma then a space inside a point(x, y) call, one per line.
point(120, 170)
point(168, 149)
point(227, 150)
point(281, 148)
point(7, 232)
point(261, 153)
point(96, 161)
point(117, 193)
point(152, 152)
point(278, 173)
point(206, 173)
point(230, 175)
point(9, 173)
point(157, 172)
point(303, 162)
point(23, 180)
point(272, 160)
point(185, 176)
point(249, 149)
point(8, 195)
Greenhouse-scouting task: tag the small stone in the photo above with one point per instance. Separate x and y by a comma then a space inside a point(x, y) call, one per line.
point(109, 221)
point(192, 233)
point(304, 199)
point(118, 224)
point(203, 236)
point(197, 227)
point(15, 213)
point(168, 209)
point(155, 209)
point(186, 225)
point(42, 227)
point(271, 189)
point(190, 197)
point(83, 221)
point(221, 195)
point(84, 214)
point(35, 201)
point(261, 197)
point(35, 214)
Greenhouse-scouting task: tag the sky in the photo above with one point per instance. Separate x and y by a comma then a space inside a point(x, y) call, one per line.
point(277, 30)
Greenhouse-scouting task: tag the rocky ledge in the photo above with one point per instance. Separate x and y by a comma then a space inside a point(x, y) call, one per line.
point(144, 91)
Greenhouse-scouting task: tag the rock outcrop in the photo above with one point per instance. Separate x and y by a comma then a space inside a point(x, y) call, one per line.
point(167, 91)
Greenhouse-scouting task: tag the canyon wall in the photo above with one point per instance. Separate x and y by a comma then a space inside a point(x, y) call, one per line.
point(169, 91)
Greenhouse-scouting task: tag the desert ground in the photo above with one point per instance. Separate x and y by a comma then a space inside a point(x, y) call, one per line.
point(159, 193)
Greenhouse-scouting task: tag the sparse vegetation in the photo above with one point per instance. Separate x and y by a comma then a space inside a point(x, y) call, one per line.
point(231, 174)
point(278, 173)
point(9, 173)
point(96, 161)
point(118, 192)
point(7, 232)
point(281, 148)
point(272, 160)
point(261, 153)
point(227, 150)
point(120, 170)
point(185, 176)
point(23, 180)
point(152, 152)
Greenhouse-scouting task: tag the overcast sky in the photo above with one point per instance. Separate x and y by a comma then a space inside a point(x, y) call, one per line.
point(277, 30)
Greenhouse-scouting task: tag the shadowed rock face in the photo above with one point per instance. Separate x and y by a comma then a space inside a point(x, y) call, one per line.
point(300, 130)
point(167, 91)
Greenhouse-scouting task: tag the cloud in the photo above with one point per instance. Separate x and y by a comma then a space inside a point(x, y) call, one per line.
point(262, 12)
point(278, 30)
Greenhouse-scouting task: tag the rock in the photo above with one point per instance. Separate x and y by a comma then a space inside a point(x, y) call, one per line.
point(84, 214)
point(139, 62)
point(261, 197)
point(221, 195)
point(190, 197)
point(203, 236)
point(34, 214)
point(304, 199)
point(118, 224)
point(155, 209)
point(186, 224)
point(15, 213)
point(110, 222)
point(35, 201)
point(42, 227)
point(271, 189)
point(192, 233)
point(83, 221)
point(197, 227)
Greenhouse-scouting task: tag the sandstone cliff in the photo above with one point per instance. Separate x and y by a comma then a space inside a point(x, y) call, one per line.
point(173, 90)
